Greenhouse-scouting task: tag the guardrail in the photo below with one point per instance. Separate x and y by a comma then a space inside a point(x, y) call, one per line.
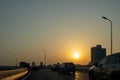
point(12, 74)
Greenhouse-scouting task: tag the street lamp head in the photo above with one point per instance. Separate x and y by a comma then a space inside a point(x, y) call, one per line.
point(104, 17)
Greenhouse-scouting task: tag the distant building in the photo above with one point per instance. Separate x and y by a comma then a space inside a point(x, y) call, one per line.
point(97, 53)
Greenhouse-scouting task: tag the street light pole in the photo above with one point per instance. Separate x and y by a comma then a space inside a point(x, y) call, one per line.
point(45, 55)
point(110, 30)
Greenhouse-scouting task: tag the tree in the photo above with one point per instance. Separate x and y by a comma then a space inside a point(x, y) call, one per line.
point(24, 64)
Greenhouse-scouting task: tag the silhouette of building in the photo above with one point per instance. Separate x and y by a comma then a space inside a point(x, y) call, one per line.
point(97, 53)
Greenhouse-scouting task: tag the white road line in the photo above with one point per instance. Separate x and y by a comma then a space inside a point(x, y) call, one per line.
point(27, 76)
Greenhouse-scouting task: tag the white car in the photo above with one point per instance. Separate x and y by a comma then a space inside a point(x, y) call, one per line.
point(108, 68)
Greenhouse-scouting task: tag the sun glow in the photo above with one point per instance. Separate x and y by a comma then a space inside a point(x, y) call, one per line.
point(76, 55)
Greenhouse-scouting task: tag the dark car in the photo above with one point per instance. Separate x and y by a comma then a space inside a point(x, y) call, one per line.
point(34, 68)
point(55, 67)
point(67, 67)
point(108, 68)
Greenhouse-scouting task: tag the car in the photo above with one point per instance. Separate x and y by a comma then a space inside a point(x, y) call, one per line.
point(67, 67)
point(107, 68)
point(55, 67)
point(34, 68)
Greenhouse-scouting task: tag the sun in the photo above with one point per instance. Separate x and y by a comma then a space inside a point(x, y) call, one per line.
point(76, 55)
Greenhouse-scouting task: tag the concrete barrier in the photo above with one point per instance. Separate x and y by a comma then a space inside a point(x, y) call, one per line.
point(12, 74)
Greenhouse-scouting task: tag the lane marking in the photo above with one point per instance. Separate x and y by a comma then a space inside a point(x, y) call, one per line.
point(27, 76)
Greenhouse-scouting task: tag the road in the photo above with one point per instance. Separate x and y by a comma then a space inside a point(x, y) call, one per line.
point(47, 74)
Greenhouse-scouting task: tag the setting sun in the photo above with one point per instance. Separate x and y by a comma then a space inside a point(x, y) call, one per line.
point(76, 55)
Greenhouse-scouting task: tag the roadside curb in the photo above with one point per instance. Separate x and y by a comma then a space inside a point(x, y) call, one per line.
point(13, 77)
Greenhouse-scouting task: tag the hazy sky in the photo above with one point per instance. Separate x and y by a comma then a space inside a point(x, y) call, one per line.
point(60, 27)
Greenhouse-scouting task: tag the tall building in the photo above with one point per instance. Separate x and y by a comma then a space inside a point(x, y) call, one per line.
point(97, 53)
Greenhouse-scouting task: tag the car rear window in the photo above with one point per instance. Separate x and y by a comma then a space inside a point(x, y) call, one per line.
point(69, 64)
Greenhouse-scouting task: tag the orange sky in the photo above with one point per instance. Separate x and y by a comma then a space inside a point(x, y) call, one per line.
point(60, 27)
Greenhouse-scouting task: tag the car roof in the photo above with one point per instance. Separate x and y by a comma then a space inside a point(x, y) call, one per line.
point(118, 53)
point(67, 63)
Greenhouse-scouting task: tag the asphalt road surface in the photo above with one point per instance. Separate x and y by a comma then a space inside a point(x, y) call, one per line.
point(47, 74)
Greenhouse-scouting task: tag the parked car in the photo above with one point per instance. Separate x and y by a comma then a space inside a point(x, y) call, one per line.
point(108, 68)
point(67, 68)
